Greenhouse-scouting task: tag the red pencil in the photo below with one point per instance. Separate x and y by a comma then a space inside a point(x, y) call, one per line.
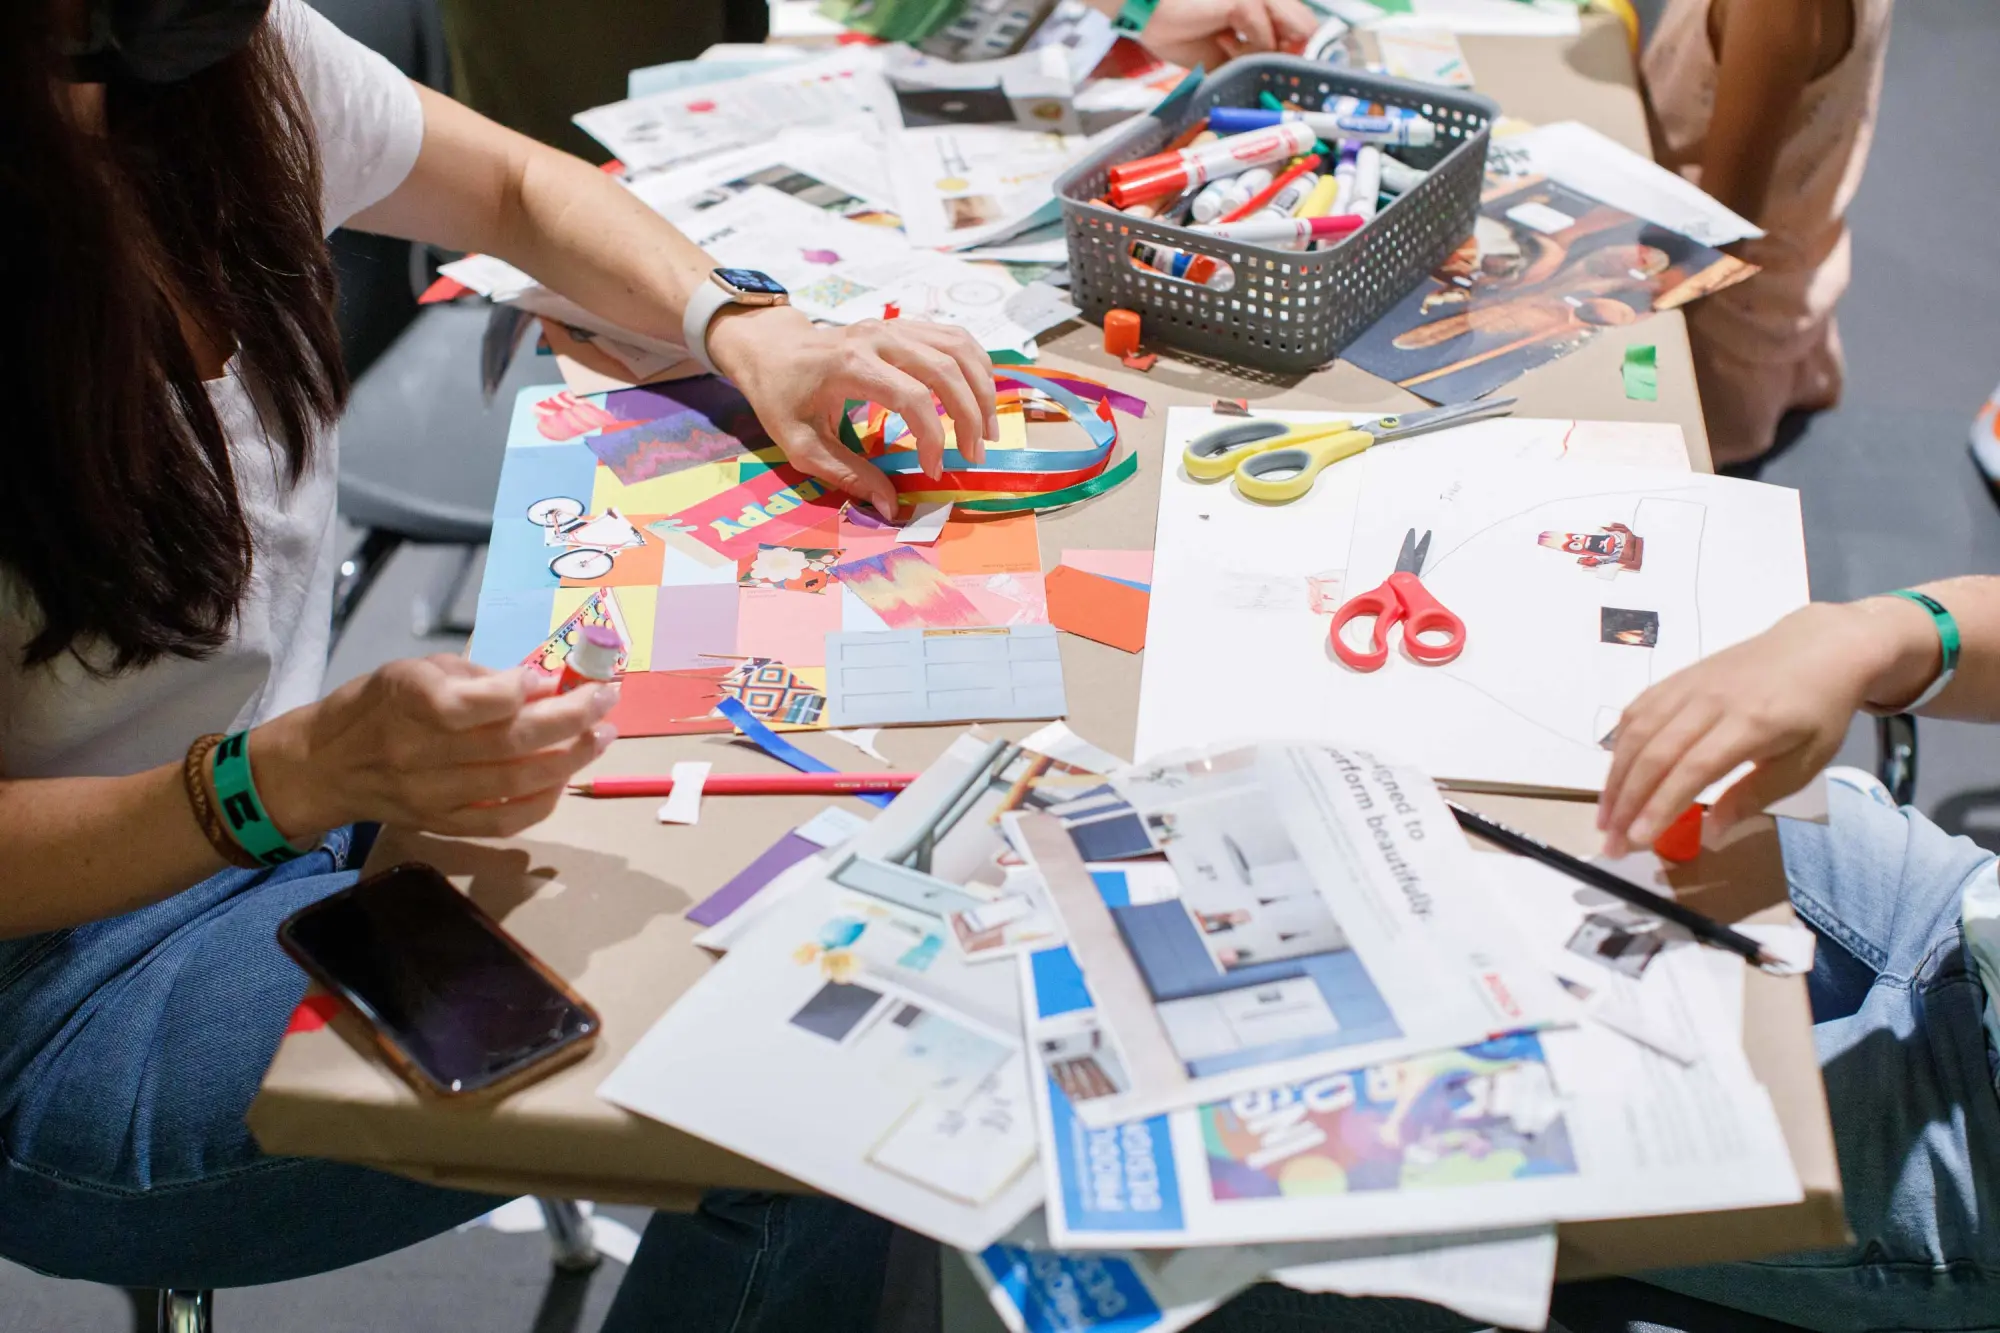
point(1270, 192)
point(751, 784)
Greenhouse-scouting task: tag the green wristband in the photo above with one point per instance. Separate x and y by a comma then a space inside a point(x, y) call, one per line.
point(242, 810)
point(1134, 15)
point(1948, 643)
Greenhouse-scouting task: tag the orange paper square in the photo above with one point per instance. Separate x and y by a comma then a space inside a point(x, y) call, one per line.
point(988, 544)
point(1097, 608)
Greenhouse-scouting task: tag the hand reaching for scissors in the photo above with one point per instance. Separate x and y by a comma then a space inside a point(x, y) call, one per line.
point(1780, 702)
point(1211, 32)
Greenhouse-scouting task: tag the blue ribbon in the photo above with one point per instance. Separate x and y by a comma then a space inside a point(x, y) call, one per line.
point(1102, 433)
point(780, 749)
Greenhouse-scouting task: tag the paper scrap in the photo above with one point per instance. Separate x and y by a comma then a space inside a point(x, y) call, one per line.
point(927, 525)
point(862, 739)
point(1098, 608)
point(779, 857)
point(831, 827)
point(1642, 373)
point(683, 804)
point(922, 676)
point(1428, 55)
point(1133, 567)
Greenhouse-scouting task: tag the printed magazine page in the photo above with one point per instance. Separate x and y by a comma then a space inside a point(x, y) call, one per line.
point(1324, 914)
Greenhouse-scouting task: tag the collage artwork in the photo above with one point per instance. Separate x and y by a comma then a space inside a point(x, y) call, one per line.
point(668, 514)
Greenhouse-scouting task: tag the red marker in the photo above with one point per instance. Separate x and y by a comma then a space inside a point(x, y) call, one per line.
point(1171, 173)
point(1281, 231)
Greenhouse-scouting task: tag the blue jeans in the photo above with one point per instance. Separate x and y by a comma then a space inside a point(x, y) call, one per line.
point(130, 1050)
point(1896, 1011)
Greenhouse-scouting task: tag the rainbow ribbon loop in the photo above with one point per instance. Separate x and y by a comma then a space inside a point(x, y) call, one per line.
point(1011, 480)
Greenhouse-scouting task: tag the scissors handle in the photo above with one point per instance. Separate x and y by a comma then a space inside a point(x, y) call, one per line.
point(1215, 454)
point(1381, 603)
point(1424, 614)
point(1277, 475)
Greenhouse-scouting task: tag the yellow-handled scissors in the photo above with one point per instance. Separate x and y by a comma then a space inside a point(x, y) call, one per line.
point(1276, 461)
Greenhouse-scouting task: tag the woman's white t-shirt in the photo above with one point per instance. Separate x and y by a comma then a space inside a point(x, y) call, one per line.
point(58, 720)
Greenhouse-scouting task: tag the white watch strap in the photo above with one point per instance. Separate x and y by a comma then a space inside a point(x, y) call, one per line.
point(702, 304)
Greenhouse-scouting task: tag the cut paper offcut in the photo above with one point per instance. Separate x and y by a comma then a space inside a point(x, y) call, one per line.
point(564, 416)
point(665, 445)
point(1134, 567)
point(927, 676)
point(764, 509)
point(599, 608)
point(1096, 608)
point(907, 591)
point(785, 626)
point(1003, 599)
point(682, 703)
point(989, 544)
point(792, 568)
point(694, 625)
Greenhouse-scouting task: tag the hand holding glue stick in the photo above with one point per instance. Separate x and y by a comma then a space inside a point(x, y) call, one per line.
point(593, 661)
point(1170, 173)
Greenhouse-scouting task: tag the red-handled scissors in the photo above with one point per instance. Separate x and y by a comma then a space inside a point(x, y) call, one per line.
point(1402, 599)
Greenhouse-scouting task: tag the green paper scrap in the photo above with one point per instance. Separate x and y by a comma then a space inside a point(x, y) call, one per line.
point(1642, 373)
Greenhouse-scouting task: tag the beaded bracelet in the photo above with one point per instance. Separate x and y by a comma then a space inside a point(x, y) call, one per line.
point(242, 808)
point(194, 780)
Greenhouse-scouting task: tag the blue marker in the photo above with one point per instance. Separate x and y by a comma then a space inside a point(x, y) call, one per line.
point(1404, 131)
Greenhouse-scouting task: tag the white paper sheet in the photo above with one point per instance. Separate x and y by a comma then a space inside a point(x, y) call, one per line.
point(1483, 18)
point(1322, 914)
point(1573, 154)
point(966, 185)
point(1036, 1290)
point(845, 86)
point(683, 803)
point(1244, 591)
point(1568, 1124)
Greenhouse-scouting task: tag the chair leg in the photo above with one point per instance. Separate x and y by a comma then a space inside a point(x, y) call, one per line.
point(430, 612)
point(186, 1311)
point(358, 573)
point(569, 1233)
point(1896, 756)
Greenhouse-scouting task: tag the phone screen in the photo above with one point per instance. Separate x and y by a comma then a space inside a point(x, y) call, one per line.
point(463, 1001)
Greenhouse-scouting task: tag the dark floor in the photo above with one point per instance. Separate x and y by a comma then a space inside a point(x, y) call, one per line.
point(1890, 499)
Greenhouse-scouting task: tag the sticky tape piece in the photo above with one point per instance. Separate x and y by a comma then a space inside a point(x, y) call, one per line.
point(780, 749)
point(683, 804)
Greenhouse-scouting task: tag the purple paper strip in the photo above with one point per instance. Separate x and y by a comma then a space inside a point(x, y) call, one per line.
point(779, 857)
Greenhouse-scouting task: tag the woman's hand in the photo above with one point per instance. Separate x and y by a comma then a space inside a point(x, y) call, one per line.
point(1210, 32)
point(1781, 701)
point(430, 743)
point(799, 377)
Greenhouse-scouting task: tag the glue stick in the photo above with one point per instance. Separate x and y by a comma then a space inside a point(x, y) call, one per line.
point(594, 660)
point(1285, 202)
point(1399, 177)
point(1225, 195)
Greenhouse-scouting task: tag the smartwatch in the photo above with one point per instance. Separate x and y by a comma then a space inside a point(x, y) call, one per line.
point(725, 286)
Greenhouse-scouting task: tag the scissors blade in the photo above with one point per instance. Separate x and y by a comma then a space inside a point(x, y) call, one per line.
point(1406, 424)
point(1411, 561)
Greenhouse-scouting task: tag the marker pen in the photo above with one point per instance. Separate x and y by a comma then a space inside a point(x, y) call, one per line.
point(1399, 177)
point(1319, 200)
point(594, 660)
point(1403, 131)
point(1261, 200)
point(1354, 106)
point(1344, 176)
point(1281, 231)
point(1367, 181)
point(1285, 203)
point(1173, 262)
point(1170, 173)
point(1229, 195)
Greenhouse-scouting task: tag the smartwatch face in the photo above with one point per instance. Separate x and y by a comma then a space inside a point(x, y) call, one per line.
point(751, 281)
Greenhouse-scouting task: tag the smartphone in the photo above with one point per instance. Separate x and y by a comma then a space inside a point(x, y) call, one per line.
point(455, 1002)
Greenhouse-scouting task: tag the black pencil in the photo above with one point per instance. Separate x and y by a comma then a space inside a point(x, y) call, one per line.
point(1698, 924)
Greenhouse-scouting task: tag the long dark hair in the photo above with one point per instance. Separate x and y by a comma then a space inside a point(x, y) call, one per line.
point(122, 514)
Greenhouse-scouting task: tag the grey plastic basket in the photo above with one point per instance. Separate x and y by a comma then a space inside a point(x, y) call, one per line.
point(1288, 310)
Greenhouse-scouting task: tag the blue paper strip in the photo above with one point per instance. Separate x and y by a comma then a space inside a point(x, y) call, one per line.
point(780, 749)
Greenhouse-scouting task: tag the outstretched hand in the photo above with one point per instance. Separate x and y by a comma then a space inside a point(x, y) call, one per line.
point(798, 377)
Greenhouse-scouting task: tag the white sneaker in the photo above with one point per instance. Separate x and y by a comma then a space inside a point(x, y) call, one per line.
point(1986, 440)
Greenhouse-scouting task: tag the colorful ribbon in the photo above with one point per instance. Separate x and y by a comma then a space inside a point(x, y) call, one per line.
point(1011, 480)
